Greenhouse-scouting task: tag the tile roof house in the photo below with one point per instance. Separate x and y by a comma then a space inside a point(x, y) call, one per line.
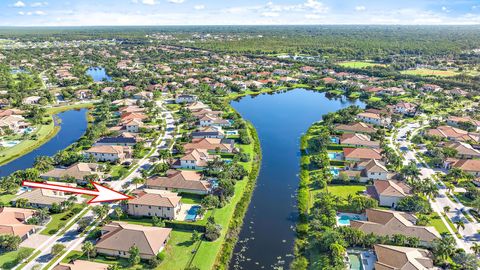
point(211, 144)
point(118, 237)
point(120, 141)
point(81, 265)
point(388, 222)
point(110, 153)
point(454, 134)
point(77, 171)
point(12, 222)
point(456, 121)
point(44, 198)
point(359, 127)
point(374, 118)
point(180, 181)
point(196, 159)
point(471, 166)
point(211, 120)
point(464, 150)
point(209, 132)
point(358, 140)
point(366, 171)
point(395, 257)
point(389, 192)
point(405, 108)
point(154, 202)
point(361, 154)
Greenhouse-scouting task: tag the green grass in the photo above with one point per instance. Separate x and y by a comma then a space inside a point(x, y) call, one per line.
point(178, 251)
point(191, 198)
point(436, 222)
point(359, 64)
point(6, 198)
point(54, 225)
point(430, 72)
point(8, 259)
point(43, 132)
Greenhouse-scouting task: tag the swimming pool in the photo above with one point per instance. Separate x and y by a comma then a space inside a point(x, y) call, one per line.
point(9, 143)
point(192, 213)
point(334, 171)
point(355, 262)
point(231, 132)
point(344, 220)
point(334, 140)
point(331, 155)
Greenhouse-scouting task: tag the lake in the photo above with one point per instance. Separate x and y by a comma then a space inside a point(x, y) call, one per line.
point(268, 233)
point(98, 74)
point(73, 125)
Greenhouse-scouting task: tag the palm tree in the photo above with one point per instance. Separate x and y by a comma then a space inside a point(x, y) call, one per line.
point(21, 203)
point(460, 224)
point(137, 181)
point(476, 248)
point(444, 247)
point(118, 212)
point(88, 248)
point(450, 187)
point(446, 209)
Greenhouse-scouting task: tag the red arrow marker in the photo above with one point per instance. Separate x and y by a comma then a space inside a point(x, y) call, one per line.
point(101, 193)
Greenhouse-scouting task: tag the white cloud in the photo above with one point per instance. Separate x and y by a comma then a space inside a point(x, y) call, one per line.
point(176, 1)
point(270, 14)
point(145, 2)
point(313, 16)
point(21, 13)
point(360, 8)
point(318, 7)
point(39, 12)
point(39, 4)
point(19, 4)
point(445, 9)
point(199, 7)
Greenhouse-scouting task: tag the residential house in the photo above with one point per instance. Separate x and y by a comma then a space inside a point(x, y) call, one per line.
point(31, 100)
point(120, 141)
point(405, 108)
point(366, 171)
point(13, 222)
point(211, 120)
point(388, 193)
point(180, 181)
point(154, 203)
point(83, 94)
point(395, 257)
point(464, 150)
point(374, 118)
point(132, 125)
point(209, 132)
point(361, 154)
point(393, 91)
point(144, 95)
point(388, 223)
point(15, 123)
point(118, 237)
point(358, 140)
point(471, 166)
point(110, 153)
point(195, 159)
point(45, 198)
point(78, 171)
point(456, 121)
point(185, 98)
point(453, 134)
point(359, 127)
point(81, 265)
point(211, 144)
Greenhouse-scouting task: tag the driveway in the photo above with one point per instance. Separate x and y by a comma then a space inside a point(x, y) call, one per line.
point(35, 240)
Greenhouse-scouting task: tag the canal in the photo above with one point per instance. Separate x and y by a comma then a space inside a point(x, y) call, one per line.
point(267, 236)
point(73, 125)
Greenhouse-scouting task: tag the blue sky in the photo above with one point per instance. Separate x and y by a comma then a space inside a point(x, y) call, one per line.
point(232, 12)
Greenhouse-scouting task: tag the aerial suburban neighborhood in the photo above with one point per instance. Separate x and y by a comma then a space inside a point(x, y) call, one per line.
point(296, 147)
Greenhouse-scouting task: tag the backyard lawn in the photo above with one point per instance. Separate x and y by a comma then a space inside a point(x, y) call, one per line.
point(8, 259)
